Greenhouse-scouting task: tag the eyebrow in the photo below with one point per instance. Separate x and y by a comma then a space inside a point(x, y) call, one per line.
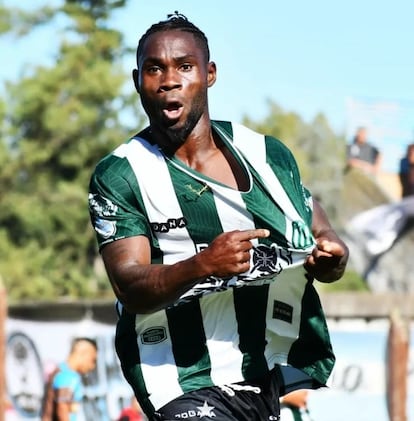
point(182, 58)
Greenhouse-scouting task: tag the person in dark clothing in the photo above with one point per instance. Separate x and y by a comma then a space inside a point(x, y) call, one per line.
point(407, 172)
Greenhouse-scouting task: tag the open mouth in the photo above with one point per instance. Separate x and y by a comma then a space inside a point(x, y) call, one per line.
point(172, 110)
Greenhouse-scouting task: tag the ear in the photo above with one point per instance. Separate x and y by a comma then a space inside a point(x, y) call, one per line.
point(135, 75)
point(211, 73)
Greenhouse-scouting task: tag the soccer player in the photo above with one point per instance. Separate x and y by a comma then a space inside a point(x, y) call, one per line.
point(211, 244)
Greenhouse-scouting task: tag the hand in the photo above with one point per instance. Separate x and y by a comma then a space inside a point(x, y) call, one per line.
point(328, 260)
point(229, 253)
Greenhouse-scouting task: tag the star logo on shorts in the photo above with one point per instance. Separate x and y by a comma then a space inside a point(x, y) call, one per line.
point(206, 411)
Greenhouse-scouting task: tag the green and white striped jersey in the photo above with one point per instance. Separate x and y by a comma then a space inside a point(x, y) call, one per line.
point(223, 330)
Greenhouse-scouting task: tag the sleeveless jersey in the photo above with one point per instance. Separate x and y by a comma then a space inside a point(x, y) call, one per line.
point(223, 330)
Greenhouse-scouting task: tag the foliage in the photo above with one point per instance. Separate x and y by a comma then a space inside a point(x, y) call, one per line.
point(320, 153)
point(58, 123)
point(351, 281)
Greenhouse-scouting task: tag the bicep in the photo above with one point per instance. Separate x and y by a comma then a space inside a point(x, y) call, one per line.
point(122, 259)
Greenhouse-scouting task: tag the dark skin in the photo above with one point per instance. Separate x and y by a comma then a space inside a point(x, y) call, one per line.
point(172, 78)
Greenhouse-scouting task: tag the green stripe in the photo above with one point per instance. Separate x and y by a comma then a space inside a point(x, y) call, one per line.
point(266, 212)
point(199, 210)
point(224, 125)
point(189, 347)
point(128, 354)
point(318, 359)
point(250, 304)
point(285, 167)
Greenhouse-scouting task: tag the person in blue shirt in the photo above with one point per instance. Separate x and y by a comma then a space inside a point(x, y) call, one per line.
point(64, 389)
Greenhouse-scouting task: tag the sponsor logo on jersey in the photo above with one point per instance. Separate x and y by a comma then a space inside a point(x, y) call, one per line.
point(171, 223)
point(104, 227)
point(153, 335)
point(101, 208)
point(282, 311)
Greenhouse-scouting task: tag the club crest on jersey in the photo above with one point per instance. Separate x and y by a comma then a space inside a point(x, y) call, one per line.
point(171, 223)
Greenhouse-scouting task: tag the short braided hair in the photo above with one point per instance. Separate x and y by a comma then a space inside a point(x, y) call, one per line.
point(179, 22)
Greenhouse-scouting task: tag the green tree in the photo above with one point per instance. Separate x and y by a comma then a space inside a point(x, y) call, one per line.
point(59, 122)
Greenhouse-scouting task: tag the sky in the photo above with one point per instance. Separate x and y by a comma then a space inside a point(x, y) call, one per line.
point(308, 57)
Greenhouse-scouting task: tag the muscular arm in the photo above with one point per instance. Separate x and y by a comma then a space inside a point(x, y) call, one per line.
point(328, 260)
point(143, 287)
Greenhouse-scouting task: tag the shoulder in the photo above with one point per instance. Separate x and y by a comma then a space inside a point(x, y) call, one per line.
point(371, 147)
point(65, 376)
point(116, 162)
point(236, 130)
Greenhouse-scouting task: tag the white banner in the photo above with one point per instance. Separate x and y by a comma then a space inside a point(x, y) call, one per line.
point(357, 387)
point(34, 348)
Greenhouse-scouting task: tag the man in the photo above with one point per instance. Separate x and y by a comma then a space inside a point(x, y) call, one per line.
point(362, 155)
point(205, 231)
point(406, 172)
point(64, 390)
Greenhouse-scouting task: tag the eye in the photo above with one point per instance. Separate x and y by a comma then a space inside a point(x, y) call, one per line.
point(186, 67)
point(153, 69)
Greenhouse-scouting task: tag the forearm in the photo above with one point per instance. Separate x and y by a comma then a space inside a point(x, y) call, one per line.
point(330, 256)
point(63, 411)
point(145, 288)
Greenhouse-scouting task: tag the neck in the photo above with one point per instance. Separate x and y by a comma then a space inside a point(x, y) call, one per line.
point(186, 143)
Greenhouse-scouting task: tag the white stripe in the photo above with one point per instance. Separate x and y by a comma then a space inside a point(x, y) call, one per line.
point(220, 323)
point(253, 146)
point(281, 334)
point(158, 365)
point(232, 212)
point(159, 196)
point(231, 209)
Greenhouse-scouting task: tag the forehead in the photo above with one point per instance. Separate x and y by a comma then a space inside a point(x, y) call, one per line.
point(174, 42)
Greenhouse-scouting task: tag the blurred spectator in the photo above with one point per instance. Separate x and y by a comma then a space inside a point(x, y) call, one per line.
point(361, 154)
point(64, 389)
point(294, 406)
point(407, 172)
point(132, 412)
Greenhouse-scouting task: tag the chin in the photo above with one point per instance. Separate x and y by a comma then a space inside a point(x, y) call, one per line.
point(177, 135)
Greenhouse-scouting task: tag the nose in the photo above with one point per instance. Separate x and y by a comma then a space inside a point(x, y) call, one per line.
point(170, 80)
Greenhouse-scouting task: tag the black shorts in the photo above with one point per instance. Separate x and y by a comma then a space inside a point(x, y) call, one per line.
point(245, 401)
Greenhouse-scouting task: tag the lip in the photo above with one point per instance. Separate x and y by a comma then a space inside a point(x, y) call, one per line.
point(172, 110)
